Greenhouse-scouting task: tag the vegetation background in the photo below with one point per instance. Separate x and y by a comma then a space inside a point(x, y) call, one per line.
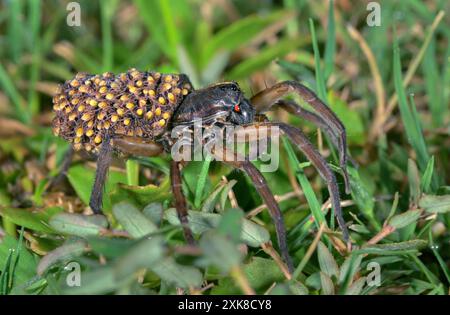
point(389, 84)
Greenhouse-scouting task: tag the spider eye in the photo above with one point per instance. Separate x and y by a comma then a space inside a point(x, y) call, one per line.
point(237, 109)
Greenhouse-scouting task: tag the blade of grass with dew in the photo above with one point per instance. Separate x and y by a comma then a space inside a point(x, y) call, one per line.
point(202, 181)
point(442, 263)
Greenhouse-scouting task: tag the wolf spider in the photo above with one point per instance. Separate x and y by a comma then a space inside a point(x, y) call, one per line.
point(134, 113)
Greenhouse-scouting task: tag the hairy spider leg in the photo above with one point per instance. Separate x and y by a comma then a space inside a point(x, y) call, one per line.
point(264, 191)
point(264, 100)
point(303, 144)
point(180, 201)
point(103, 162)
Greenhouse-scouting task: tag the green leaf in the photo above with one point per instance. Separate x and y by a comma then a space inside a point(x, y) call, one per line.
point(211, 200)
point(231, 224)
point(252, 234)
point(110, 247)
point(356, 287)
point(176, 274)
point(98, 281)
point(425, 182)
point(144, 254)
point(326, 261)
point(435, 204)
point(142, 195)
point(132, 220)
point(220, 251)
point(349, 268)
point(78, 224)
point(82, 178)
point(154, 211)
point(61, 254)
point(34, 219)
point(406, 218)
point(327, 284)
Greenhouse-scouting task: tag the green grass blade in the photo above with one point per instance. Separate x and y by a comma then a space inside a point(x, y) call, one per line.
point(330, 46)
point(19, 104)
point(304, 183)
point(409, 117)
point(320, 81)
point(15, 31)
point(202, 181)
point(132, 167)
point(106, 12)
point(34, 25)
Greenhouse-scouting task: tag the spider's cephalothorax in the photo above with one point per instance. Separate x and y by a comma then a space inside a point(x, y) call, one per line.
point(134, 113)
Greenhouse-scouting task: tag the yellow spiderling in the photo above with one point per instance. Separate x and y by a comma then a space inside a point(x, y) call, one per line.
point(79, 132)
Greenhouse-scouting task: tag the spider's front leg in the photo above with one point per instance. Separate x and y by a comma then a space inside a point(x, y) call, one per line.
point(103, 162)
point(264, 191)
point(303, 144)
point(325, 117)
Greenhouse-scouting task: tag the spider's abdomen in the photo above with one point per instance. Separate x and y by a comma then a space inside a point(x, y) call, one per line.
point(135, 103)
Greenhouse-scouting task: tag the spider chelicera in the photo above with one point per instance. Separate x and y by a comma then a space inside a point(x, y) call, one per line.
point(133, 113)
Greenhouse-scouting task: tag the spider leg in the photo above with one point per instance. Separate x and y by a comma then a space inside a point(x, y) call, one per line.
point(295, 109)
point(67, 160)
point(303, 144)
point(264, 191)
point(103, 162)
point(265, 99)
point(137, 146)
point(180, 201)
